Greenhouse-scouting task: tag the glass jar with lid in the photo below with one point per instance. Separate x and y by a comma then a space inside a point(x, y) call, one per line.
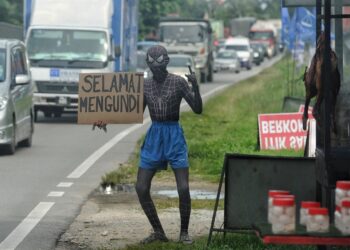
point(283, 215)
point(304, 207)
point(317, 220)
point(271, 194)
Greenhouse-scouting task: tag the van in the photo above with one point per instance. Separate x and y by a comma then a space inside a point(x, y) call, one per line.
point(242, 46)
point(16, 94)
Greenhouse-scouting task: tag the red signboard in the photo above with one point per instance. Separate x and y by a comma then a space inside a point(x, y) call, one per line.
point(281, 131)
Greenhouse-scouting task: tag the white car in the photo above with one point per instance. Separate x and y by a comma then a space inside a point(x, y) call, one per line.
point(242, 46)
point(227, 60)
point(178, 65)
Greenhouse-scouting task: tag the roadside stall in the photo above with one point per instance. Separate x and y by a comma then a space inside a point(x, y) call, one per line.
point(306, 200)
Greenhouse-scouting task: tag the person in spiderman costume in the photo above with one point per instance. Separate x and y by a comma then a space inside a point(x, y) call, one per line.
point(165, 142)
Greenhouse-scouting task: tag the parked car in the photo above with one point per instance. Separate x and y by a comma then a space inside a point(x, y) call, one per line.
point(178, 65)
point(16, 97)
point(259, 51)
point(227, 60)
point(242, 46)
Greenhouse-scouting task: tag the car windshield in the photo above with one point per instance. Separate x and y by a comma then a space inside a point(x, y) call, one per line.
point(145, 46)
point(179, 62)
point(260, 35)
point(71, 46)
point(2, 65)
point(237, 47)
point(226, 55)
point(181, 33)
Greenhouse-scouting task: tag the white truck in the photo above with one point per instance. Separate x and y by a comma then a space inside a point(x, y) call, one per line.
point(68, 37)
point(190, 36)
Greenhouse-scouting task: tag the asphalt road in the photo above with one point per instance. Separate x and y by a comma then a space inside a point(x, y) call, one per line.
point(43, 187)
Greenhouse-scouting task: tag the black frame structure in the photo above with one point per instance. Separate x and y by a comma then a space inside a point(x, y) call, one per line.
point(332, 162)
point(247, 181)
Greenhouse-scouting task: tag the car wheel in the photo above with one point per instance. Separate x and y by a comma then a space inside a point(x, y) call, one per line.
point(35, 115)
point(28, 142)
point(11, 148)
point(210, 74)
point(202, 77)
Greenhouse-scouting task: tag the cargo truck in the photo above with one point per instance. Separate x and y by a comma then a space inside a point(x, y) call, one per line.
point(190, 36)
point(68, 37)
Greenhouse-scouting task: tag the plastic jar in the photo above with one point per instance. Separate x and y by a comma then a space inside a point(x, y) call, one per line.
point(345, 216)
point(317, 220)
point(342, 191)
point(272, 193)
point(337, 219)
point(283, 215)
point(304, 207)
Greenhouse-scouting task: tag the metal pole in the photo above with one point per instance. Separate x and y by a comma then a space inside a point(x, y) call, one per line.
point(318, 18)
point(326, 80)
point(339, 35)
point(217, 202)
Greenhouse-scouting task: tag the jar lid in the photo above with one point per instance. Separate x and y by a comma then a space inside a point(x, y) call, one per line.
point(275, 192)
point(308, 204)
point(318, 210)
point(345, 202)
point(343, 184)
point(287, 196)
point(283, 202)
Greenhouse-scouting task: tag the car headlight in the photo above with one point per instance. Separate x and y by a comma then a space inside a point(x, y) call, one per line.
point(3, 102)
point(256, 54)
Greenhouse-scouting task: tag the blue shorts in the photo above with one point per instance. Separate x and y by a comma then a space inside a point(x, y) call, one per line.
point(164, 143)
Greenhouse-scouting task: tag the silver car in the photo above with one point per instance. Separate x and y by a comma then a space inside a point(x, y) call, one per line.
point(227, 60)
point(16, 95)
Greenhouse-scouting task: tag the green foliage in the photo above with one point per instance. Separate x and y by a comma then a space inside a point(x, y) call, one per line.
point(229, 122)
point(11, 11)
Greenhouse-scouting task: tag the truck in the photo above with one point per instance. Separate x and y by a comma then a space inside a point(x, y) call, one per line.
point(240, 26)
point(265, 32)
point(67, 37)
point(189, 36)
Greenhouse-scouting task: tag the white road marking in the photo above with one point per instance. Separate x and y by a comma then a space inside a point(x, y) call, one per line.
point(24, 228)
point(83, 167)
point(64, 184)
point(55, 194)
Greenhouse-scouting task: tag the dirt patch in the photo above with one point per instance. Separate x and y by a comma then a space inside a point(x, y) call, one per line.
point(116, 220)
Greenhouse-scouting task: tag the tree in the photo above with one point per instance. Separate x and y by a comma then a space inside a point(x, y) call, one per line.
point(11, 11)
point(151, 11)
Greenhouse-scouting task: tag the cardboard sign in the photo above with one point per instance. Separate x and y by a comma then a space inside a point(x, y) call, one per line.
point(281, 131)
point(110, 97)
